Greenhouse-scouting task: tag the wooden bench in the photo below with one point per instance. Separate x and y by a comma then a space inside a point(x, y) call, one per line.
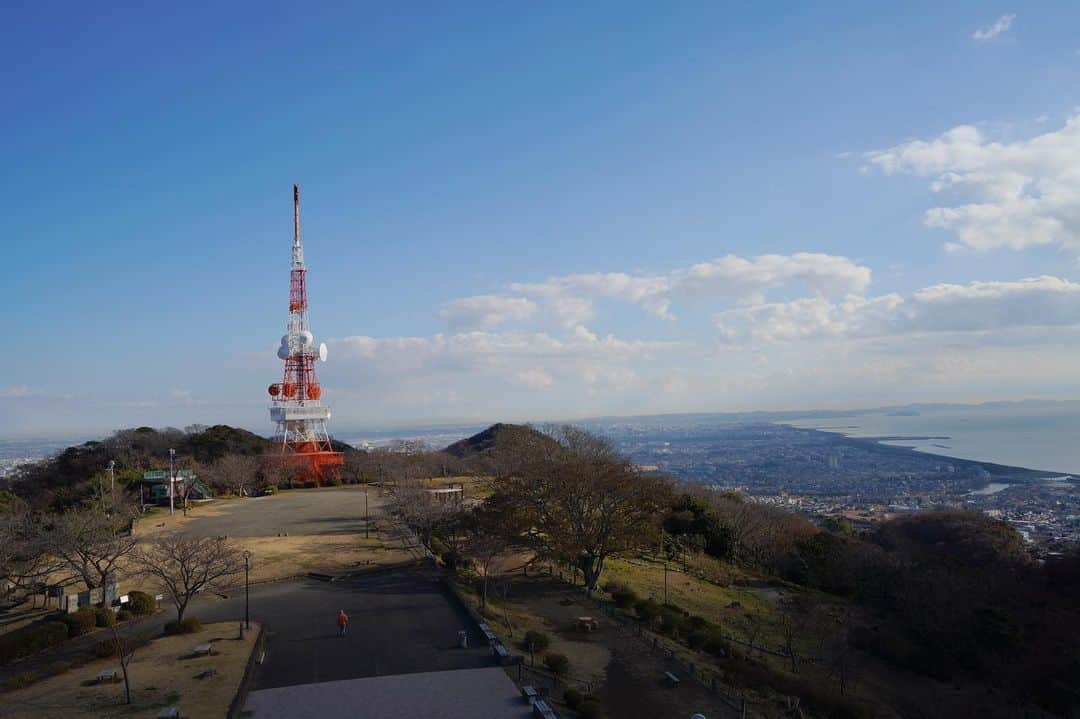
point(107, 675)
point(671, 679)
point(169, 713)
point(500, 650)
point(587, 624)
point(542, 710)
point(530, 694)
point(202, 649)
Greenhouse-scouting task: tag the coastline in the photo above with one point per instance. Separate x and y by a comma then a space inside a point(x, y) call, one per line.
point(1015, 474)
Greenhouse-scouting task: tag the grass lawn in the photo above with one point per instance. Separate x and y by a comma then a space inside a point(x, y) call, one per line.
point(732, 608)
point(276, 557)
point(161, 675)
point(473, 487)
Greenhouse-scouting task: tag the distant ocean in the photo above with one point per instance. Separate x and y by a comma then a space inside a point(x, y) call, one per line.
point(1044, 436)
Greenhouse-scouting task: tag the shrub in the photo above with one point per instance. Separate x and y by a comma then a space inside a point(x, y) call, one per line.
point(80, 622)
point(22, 679)
point(124, 615)
point(437, 546)
point(671, 622)
point(141, 603)
point(310, 484)
point(573, 698)
point(270, 489)
point(104, 617)
point(59, 667)
point(624, 597)
point(31, 638)
point(697, 639)
point(647, 610)
point(590, 709)
point(105, 649)
point(454, 560)
point(557, 663)
point(538, 640)
point(190, 625)
point(335, 482)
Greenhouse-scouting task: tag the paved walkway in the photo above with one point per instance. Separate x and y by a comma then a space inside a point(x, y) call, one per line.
point(401, 622)
point(461, 694)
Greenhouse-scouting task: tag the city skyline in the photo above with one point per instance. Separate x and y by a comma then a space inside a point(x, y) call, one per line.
point(542, 213)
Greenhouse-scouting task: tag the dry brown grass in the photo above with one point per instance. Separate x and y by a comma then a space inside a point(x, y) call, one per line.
point(161, 675)
point(276, 557)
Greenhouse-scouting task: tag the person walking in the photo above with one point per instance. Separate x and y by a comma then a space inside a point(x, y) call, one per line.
point(342, 622)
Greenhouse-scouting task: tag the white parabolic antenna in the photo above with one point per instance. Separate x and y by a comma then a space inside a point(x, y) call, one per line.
point(322, 351)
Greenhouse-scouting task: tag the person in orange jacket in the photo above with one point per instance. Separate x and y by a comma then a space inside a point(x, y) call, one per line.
point(342, 622)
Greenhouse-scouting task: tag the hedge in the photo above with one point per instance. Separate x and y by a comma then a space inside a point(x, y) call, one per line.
point(104, 617)
point(31, 638)
point(141, 603)
point(190, 625)
point(538, 640)
point(81, 622)
point(557, 663)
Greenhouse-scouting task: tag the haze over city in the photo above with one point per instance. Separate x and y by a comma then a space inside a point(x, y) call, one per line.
point(542, 212)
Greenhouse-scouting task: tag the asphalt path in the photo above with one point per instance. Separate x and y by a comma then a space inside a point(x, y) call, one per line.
point(326, 511)
point(401, 622)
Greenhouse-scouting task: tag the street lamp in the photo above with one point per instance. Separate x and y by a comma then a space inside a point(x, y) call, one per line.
point(247, 606)
point(172, 478)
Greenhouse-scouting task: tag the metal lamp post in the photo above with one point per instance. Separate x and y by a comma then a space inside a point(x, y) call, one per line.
point(247, 604)
point(172, 478)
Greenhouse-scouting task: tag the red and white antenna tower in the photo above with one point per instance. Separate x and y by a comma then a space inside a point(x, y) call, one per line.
point(300, 416)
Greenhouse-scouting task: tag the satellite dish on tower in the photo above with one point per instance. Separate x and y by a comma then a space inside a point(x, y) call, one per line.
point(322, 351)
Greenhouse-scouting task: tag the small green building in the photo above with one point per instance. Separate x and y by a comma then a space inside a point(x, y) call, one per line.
point(155, 486)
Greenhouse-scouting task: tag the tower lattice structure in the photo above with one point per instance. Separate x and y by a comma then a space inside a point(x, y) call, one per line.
point(296, 405)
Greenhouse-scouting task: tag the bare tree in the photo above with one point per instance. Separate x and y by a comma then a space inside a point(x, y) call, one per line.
point(279, 471)
point(579, 501)
point(489, 531)
point(234, 473)
point(795, 620)
point(25, 563)
point(90, 544)
point(423, 510)
point(125, 651)
point(186, 566)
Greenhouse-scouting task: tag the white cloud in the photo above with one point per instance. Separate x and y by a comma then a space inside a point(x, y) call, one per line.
point(569, 298)
point(1035, 302)
point(995, 30)
point(534, 378)
point(501, 353)
point(1015, 194)
point(460, 373)
point(18, 391)
point(486, 310)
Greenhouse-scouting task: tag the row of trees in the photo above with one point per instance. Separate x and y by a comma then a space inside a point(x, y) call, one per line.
point(950, 591)
point(89, 548)
point(564, 495)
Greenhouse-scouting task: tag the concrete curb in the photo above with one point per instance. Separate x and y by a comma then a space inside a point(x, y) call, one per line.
point(237, 703)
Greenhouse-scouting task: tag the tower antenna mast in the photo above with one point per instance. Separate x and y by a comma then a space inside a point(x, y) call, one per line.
point(295, 406)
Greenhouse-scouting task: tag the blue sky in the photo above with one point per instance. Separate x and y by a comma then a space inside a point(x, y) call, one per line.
point(538, 212)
